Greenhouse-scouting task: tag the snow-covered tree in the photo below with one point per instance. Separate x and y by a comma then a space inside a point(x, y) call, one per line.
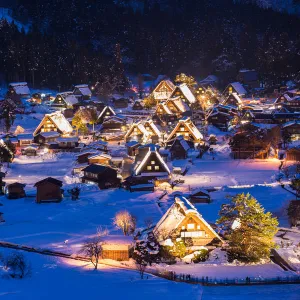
point(183, 78)
point(249, 229)
point(125, 221)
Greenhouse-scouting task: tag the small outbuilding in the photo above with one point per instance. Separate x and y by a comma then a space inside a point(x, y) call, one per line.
point(117, 247)
point(179, 148)
point(29, 150)
point(15, 190)
point(105, 176)
point(49, 190)
point(199, 196)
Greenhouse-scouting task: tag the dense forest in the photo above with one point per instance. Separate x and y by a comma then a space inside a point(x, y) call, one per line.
point(74, 41)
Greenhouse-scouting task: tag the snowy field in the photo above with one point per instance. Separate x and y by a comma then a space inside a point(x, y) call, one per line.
point(76, 280)
point(54, 278)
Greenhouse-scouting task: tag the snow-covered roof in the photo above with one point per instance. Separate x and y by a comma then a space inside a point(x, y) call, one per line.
point(199, 190)
point(73, 139)
point(209, 79)
point(239, 88)
point(295, 122)
point(104, 109)
point(190, 126)
point(21, 88)
point(167, 82)
point(140, 126)
point(99, 155)
point(152, 149)
point(71, 100)
point(176, 214)
point(187, 93)
point(117, 242)
point(116, 119)
point(84, 89)
point(180, 104)
point(151, 124)
point(235, 95)
point(60, 122)
point(286, 96)
point(183, 143)
point(25, 137)
point(164, 106)
point(49, 134)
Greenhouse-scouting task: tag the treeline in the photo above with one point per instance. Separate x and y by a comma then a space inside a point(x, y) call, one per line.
point(75, 40)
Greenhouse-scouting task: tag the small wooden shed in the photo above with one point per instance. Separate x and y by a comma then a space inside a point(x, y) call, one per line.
point(15, 190)
point(117, 247)
point(49, 190)
point(199, 196)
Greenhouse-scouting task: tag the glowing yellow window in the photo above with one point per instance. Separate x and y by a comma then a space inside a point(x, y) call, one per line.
point(152, 162)
point(156, 168)
point(190, 226)
point(149, 168)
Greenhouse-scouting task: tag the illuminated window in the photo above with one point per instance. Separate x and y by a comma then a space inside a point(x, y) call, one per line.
point(181, 128)
point(183, 227)
point(149, 168)
point(198, 226)
point(152, 162)
point(107, 113)
point(186, 134)
point(230, 90)
point(190, 226)
point(156, 168)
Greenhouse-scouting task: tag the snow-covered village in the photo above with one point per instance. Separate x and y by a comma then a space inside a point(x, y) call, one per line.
point(146, 165)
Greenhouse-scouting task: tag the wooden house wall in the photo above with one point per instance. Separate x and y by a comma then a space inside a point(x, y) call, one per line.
point(152, 162)
point(162, 91)
point(59, 102)
point(197, 241)
point(177, 151)
point(48, 191)
point(47, 126)
point(118, 255)
point(99, 160)
point(231, 100)
point(293, 155)
point(17, 191)
point(183, 130)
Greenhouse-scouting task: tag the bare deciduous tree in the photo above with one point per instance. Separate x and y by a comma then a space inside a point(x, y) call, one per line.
point(92, 248)
point(125, 221)
point(17, 265)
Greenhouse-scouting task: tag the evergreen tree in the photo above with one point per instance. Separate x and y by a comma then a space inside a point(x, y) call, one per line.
point(248, 228)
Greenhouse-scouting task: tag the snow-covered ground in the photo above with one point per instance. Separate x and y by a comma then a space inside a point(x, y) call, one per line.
point(54, 278)
point(266, 292)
